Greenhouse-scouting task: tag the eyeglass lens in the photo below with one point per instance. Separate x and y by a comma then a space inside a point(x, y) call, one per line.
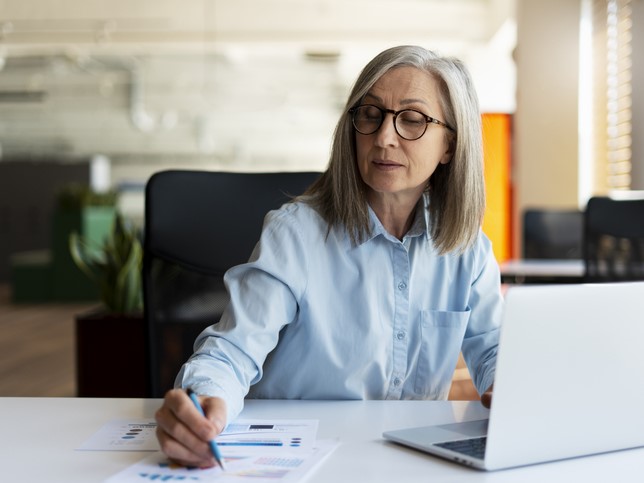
point(409, 124)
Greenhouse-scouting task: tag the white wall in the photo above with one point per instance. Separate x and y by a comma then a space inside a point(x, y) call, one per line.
point(545, 165)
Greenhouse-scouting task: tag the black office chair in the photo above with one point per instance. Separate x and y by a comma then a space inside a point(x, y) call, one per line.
point(552, 234)
point(614, 240)
point(198, 224)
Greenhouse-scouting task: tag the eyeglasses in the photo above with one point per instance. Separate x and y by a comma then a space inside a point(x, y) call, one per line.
point(408, 123)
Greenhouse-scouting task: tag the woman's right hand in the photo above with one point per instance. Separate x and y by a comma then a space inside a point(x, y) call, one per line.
point(183, 433)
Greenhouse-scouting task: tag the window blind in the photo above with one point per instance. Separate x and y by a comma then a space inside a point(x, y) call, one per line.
point(612, 52)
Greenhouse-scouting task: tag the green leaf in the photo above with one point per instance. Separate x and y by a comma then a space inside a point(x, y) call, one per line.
point(115, 266)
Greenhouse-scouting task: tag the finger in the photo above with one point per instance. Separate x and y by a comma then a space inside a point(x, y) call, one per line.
point(181, 454)
point(175, 429)
point(177, 441)
point(185, 411)
point(179, 423)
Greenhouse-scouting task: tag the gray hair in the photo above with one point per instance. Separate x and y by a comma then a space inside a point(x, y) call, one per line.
point(457, 194)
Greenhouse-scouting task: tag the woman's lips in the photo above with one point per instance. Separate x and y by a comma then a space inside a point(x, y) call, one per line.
point(385, 165)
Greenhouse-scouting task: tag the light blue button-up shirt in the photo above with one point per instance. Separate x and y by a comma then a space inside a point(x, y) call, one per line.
point(314, 316)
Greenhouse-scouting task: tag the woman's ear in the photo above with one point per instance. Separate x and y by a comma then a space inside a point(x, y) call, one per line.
point(449, 152)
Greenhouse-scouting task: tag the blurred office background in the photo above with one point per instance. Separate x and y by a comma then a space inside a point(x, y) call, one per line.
point(132, 87)
point(110, 92)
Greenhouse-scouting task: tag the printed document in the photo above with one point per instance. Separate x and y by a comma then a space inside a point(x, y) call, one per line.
point(255, 450)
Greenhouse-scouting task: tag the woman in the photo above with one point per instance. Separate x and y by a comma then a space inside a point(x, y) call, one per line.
point(369, 285)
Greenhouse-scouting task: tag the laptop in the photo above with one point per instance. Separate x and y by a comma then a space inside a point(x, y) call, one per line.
point(568, 381)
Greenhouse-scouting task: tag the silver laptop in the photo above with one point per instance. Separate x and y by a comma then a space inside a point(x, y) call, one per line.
point(569, 381)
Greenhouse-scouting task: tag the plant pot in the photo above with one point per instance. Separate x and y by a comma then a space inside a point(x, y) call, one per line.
point(111, 355)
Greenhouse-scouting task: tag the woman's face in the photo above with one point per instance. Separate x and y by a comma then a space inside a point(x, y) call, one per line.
point(392, 167)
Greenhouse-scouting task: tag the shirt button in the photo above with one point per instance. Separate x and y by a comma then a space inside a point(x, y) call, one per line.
point(402, 286)
point(397, 382)
point(400, 335)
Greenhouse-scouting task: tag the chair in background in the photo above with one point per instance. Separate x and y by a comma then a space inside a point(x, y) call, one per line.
point(198, 224)
point(614, 240)
point(552, 234)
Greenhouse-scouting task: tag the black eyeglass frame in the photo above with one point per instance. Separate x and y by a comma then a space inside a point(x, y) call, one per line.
point(384, 112)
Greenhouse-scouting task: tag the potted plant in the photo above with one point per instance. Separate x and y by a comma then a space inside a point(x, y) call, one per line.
point(51, 275)
point(89, 213)
point(111, 348)
point(115, 266)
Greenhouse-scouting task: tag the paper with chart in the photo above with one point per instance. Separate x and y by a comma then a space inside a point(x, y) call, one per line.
point(124, 435)
point(260, 451)
point(268, 434)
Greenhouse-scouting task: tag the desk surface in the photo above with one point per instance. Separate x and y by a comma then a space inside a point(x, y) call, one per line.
point(40, 434)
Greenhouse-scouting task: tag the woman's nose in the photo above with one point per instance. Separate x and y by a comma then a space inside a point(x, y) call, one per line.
point(386, 135)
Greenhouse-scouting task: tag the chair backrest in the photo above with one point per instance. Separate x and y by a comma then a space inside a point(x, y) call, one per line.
point(198, 224)
point(552, 233)
point(614, 239)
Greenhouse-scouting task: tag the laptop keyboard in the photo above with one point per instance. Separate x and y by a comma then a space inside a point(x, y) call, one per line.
point(474, 447)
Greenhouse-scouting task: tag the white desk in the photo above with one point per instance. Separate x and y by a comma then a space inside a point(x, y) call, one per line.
point(39, 436)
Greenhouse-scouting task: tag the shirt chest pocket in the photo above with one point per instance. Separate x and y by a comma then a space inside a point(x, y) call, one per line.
point(441, 339)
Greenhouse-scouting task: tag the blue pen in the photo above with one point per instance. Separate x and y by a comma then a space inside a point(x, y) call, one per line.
point(213, 445)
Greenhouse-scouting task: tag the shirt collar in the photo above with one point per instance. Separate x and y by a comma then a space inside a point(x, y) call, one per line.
point(419, 226)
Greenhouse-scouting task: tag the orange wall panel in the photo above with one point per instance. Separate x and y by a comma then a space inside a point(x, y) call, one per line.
point(497, 162)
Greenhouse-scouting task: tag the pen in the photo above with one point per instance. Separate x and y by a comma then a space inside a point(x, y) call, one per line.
point(213, 445)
